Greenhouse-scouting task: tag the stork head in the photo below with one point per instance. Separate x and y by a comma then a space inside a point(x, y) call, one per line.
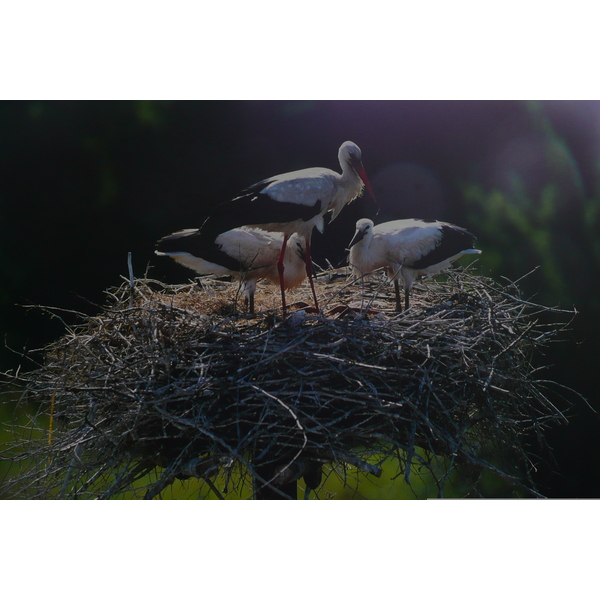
point(364, 231)
point(296, 243)
point(351, 155)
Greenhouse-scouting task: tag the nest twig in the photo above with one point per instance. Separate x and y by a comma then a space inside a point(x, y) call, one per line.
point(173, 381)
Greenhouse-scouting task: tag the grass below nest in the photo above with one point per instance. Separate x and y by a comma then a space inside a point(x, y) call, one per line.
point(172, 382)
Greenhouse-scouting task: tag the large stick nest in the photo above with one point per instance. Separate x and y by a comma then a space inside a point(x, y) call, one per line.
point(172, 380)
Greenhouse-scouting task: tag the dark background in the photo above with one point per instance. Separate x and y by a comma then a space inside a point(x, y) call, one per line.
point(84, 183)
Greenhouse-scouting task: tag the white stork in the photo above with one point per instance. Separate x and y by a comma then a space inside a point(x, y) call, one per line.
point(294, 202)
point(407, 248)
point(243, 253)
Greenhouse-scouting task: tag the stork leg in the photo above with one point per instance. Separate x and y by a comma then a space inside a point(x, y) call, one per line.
point(280, 269)
point(406, 297)
point(309, 273)
point(249, 290)
point(398, 301)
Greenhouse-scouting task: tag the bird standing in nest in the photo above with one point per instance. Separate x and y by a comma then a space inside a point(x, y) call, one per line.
point(246, 254)
point(293, 203)
point(407, 248)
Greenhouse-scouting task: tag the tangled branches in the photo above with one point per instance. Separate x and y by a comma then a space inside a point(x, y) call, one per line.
point(171, 380)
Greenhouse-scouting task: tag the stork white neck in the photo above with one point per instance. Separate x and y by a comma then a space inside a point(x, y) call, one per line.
point(351, 181)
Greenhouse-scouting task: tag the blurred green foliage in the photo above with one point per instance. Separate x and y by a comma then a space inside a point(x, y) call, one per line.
point(554, 226)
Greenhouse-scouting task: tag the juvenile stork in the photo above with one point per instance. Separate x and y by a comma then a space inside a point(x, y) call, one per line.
point(407, 248)
point(294, 202)
point(245, 254)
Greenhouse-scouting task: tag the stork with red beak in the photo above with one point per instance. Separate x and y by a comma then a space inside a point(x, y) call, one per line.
point(294, 202)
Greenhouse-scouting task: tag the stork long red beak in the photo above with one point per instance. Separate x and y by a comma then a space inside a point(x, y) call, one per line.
point(363, 175)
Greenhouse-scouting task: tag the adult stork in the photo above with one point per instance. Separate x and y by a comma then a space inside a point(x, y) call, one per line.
point(294, 202)
point(407, 248)
point(245, 254)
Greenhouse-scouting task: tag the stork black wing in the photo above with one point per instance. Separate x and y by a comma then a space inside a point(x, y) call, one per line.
point(454, 240)
point(198, 245)
point(252, 207)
